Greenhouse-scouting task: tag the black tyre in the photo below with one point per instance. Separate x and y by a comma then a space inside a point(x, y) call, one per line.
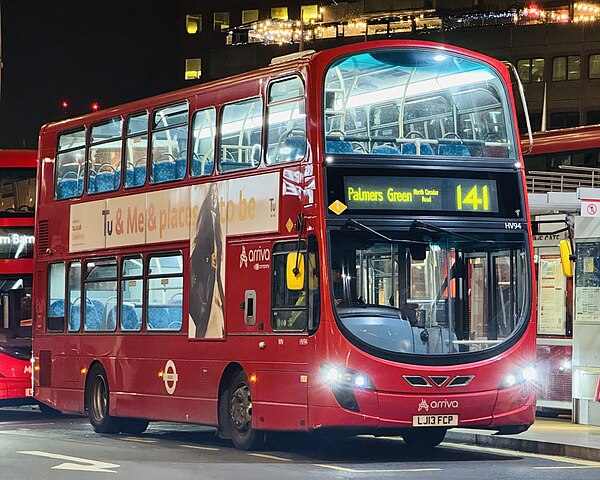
point(243, 435)
point(133, 426)
point(418, 439)
point(97, 396)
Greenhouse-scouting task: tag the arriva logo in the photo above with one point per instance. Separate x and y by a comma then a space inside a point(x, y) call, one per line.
point(243, 258)
point(255, 256)
point(435, 404)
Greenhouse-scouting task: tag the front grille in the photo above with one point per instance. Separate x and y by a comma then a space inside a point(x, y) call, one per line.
point(438, 381)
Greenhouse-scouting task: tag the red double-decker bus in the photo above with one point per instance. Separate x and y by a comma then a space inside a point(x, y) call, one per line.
point(337, 241)
point(560, 160)
point(17, 202)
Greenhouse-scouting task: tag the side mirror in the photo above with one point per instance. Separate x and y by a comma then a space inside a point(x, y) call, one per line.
point(418, 251)
point(294, 271)
point(566, 254)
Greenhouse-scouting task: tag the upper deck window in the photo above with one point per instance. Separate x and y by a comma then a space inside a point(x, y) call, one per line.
point(416, 102)
point(69, 166)
point(17, 190)
point(104, 157)
point(136, 147)
point(169, 143)
point(241, 134)
point(204, 128)
point(286, 120)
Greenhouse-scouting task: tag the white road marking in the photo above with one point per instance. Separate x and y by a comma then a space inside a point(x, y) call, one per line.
point(140, 440)
point(83, 464)
point(574, 467)
point(270, 457)
point(513, 453)
point(354, 470)
point(212, 449)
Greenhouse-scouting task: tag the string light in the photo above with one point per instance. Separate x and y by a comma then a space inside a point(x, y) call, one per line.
point(292, 31)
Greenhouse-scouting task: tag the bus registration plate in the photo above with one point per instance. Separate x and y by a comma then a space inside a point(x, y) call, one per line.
point(435, 420)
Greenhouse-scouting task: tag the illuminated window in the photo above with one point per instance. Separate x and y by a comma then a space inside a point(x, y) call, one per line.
point(309, 12)
point(193, 68)
point(531, 69)
point(566, 68)
point(280, 13)
point(250, 15)
point(55, 318)
point(193, 23)
point(220, 21)
point(594, 66)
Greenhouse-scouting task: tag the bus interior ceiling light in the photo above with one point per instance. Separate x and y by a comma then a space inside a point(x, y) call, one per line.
point(419, 88)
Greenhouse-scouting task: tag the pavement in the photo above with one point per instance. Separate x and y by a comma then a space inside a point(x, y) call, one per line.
point(557, 437)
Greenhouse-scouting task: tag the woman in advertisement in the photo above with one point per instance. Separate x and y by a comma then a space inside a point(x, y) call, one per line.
point(206, 260)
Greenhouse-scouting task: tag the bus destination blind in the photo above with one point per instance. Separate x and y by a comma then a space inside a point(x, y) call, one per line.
point(414, 193)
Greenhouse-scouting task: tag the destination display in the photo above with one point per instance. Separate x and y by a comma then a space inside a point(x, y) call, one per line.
point(418, 193)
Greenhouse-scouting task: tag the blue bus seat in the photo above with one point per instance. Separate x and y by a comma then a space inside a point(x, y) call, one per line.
point(453, 150)
point(180, 167)
point(94, 310)
point(197, 166)
point(175, 317)
point(70, 186)
point(111, 319)
point(139, 177)
point(385, 150)
point(129, 177)
point(57, 309)
point(105, 182)
point(130, 320)
point(158, 317)
point(338, 146)
point(163, 171)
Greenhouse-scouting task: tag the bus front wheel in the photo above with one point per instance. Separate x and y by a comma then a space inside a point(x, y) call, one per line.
point(97, 400)
point(243, 435)
point(418, 439)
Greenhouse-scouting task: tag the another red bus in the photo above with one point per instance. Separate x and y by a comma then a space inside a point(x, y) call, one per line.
point(339, 241)
point(560, 161)
point(17, 203)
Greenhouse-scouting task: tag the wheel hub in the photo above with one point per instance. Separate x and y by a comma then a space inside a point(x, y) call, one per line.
point(241, 409)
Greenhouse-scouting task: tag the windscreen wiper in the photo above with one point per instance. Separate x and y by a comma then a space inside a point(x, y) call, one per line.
point(361, 226)
point(428, 227)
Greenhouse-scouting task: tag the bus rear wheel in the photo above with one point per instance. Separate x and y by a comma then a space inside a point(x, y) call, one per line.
point(133, 426)
point(424, 438)
point(98, 402)
point(243, 435)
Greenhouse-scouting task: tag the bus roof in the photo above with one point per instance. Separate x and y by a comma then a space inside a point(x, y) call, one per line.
point(18, 158)
point(295, 62)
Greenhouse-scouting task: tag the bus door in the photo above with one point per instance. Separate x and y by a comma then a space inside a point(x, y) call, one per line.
point(493, 294)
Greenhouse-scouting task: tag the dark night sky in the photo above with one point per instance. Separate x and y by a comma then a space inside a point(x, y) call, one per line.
point(83, 51)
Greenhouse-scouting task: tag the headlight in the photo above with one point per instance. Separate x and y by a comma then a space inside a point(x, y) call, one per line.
point(565, 365)
point(523, 375)
point(336, 375)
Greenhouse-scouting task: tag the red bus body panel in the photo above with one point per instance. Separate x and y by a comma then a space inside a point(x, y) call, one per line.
point(284, 368)
point(15, 374)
